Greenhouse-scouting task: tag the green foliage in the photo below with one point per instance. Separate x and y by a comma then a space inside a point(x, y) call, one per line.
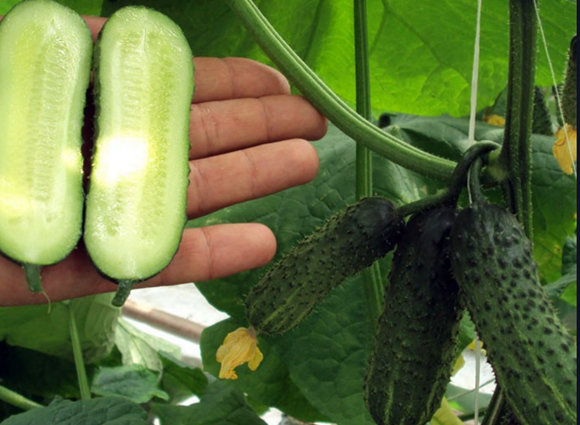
point(220, 404)
point(38, 375)
point(45, 328)
point(135, 382)
point(271, 384)
point(101, 411)
point(417, 66)
point(180, 380)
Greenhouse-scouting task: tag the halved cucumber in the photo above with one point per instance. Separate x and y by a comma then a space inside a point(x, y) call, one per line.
point(45, 61)
point(136, 205)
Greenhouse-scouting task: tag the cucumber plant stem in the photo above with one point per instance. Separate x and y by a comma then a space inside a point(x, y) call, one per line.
point(373, 285)
point(516, 155)
point(78, 354)
point(452, 192)
point(17, 400)
point(330, 104)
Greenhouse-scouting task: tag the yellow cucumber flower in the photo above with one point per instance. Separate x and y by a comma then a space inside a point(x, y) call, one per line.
point(494, 119)
point(566, 154)
point(239, 347)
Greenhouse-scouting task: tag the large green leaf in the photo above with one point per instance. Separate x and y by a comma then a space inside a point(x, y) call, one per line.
point(134, 382)
point(180, 380)
point(271, 384)
point(327, 355)
point(220, 404)
point(46, 328)
point(34, 374)
point(98, 411)
point(420, 55)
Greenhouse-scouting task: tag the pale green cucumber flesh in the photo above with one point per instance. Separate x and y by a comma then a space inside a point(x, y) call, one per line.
point(45, 59)
point(136, 205)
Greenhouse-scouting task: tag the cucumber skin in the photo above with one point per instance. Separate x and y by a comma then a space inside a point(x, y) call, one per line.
point(415, 342)
point(533, 356)
point(569, 92)
point(541, 121)
point(349, 241)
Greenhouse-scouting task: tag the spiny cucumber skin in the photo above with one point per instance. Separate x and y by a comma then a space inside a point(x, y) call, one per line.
point(410, 365)
point(533, 356)
point(569, 92)
point(350, 241)
point(541, 121)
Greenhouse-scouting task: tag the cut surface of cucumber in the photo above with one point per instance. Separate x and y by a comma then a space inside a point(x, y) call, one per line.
point(45, 61)
point(136, 204)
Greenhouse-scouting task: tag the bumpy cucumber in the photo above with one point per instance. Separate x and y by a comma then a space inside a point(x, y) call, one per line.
point(45, 60)
point(541, 120)
point(350, 241)
point(569, 92)
point(533, 356)
point(410, 365)
point(136, 205)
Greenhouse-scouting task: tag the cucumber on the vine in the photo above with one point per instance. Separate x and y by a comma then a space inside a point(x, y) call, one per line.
point(410, 365)
point(532, 354)
point(350, 241)
point(45, 62)
point(569, 91)
point(136, 204)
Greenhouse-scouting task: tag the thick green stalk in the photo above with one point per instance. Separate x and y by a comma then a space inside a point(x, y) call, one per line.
point(17, 400)
point(373, 283)
point(78, 354)
point(516, 156)
point(323, 98)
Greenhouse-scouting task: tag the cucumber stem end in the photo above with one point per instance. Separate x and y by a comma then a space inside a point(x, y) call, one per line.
point(33, 279)
point(123, 292)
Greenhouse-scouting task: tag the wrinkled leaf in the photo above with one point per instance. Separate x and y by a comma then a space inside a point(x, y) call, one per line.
point(135, 382)
point(46, 329)
point(220, 404)
point(138, 347)
point(98, 411)
point(180, 380)
point(420, 57)
point(327, 354)
point(270, 384)
point(35, 374)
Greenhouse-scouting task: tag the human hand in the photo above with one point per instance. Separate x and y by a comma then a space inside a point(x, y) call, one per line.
point(248, 140)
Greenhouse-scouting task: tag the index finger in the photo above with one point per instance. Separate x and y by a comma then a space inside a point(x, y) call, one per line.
point(225, 78)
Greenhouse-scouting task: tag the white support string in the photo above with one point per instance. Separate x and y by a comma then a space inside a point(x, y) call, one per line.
point(471, 141)
point(474, 77)
point(555, 83)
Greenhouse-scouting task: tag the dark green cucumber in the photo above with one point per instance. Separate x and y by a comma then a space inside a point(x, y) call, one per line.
point(45, 61)
point(569, 92)
point(533, 356)
point(136, 205)
point(349, 242)
point(411, 362)
point(541, 120)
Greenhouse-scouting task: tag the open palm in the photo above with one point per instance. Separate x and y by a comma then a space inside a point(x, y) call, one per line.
point(248, 138)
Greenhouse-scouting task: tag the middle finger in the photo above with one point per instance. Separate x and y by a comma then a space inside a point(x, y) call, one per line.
point(225, 126)
point(219, 181)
